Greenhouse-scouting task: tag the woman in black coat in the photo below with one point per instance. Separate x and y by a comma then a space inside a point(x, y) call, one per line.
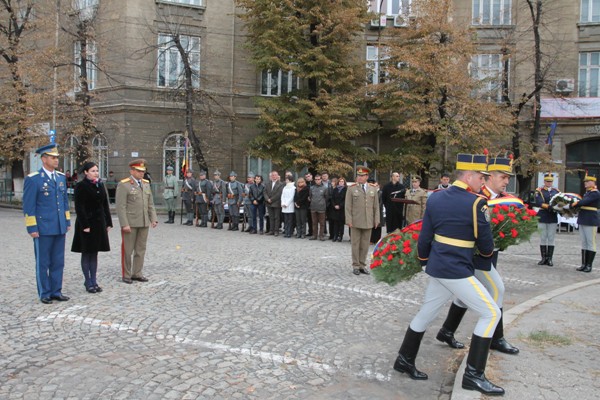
point(338, 209)
point(92, 224)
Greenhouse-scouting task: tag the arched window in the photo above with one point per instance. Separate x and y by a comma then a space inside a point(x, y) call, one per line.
point(174, 150)
point(70, 154)
point(100, 154)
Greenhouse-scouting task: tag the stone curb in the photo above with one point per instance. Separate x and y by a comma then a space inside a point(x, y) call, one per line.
point(510, 316)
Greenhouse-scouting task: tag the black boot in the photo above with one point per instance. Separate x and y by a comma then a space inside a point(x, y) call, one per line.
point(474, 376)
point(549, 255)
point(168, 221)
point(236, 222)
point(405, 362)
point(499, 343)
point(172, 217)
point(446, 333)
point(590, 260)
point(544, 252)
point(583, 260)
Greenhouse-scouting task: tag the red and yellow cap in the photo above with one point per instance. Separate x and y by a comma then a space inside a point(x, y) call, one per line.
point(362, 170)
point(139, 165)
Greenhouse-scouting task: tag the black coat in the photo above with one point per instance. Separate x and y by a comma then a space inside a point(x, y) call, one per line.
point(338, 198)
point(91, 206)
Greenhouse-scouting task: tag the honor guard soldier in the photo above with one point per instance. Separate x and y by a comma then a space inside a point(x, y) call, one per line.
point(456, 222)
point(588, 222)
point(500, 172)
point(414, 212)
point(218, 198)
point(203, 195)
point(548, 218)
point(47, 218)
point(187, 196)
point(247, 201)
point(235, 195)
point(135, 209)
point(170, 194)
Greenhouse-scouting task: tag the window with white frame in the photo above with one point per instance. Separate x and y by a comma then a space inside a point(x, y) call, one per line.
point(492, 12)
point(190, 2)
point(276, 83)
point(69, 155)
point(174, 153)
point(488, 68)
point(376, 58)
point(91, 71)
point(260, 167)
point(171, 71)
point(590, 11)
point(100, 154)
point(390, 7)
point(589, 70)
point(86, 8)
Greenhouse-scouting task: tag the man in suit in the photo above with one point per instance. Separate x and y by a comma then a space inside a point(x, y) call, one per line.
point(362, 215)
point(135, 209)
point(394, 211)
point(273, 190)
point(47, 218)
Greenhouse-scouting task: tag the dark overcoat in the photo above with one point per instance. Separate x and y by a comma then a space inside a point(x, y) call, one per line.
point(91, 206)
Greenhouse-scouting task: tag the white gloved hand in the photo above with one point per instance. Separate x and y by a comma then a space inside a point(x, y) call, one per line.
point(566, 207)
point(557, 208)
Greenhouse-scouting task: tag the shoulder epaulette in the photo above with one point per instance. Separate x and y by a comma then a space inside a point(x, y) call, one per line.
point(124, 180)
point(33, 173)
point(60, 173)
point(481, 196)
point(145, 180)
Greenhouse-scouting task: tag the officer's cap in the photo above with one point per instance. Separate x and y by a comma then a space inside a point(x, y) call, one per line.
point(169, 168)
point(49, 149)
point(251, 174)
point(500, 164)
point(589, 178)
point(202, 173)
point(189, 171)
point(362, 170)
point(217, 172)
point(139, 165)
point(548, 178)
point(472, 162)
point(416, 178)
point(232, 173)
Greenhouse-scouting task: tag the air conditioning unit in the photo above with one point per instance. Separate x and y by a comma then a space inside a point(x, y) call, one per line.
point(378, 23)
point(565, 85)
point(401, 20)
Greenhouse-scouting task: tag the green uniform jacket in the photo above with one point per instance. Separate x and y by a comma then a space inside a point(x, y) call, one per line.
point(135, 206)
point(362, 208)
point(171, 187)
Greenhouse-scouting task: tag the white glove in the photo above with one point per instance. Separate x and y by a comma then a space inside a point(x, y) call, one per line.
point(566, 207)
point(557, 208)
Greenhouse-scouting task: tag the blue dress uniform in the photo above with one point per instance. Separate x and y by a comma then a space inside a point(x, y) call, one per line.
point(456, 222)
point(548, 218)
point(588, 221)
point(46, 209)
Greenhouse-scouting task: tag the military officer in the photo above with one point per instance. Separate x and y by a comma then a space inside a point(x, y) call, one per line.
point(218, 198)
point(362, 215)
point(235, 192)
point(500, 172)
point(588, 222)
point(247, 201)
point(203, 195)
point(548, 218)
point(170, 194)
point(187, 195)
point(135, 209)
point(47, 218)
point(415, 212)
point(456, 221)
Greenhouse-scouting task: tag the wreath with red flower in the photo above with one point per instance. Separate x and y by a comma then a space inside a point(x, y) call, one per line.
point(394, 257)
point(512, 221)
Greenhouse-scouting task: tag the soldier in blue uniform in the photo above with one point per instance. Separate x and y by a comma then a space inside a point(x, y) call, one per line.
point(500, 170)
point(456, 222)
point(47, 218)
point(548, 219)
point(588, 222)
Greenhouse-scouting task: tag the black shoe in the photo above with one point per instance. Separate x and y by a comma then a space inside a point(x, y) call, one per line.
point(60, 298)
point(403, 365)
point(503, 346)
point(139, 278)
point(91, 290)
point(189, 223)
point(312, 238)
point(46, 300)
point(476, 380)
point(98, 289)
point(356, 271)
point(544, 253)
point(364, 271)
point(127, 280)
point(445, 336)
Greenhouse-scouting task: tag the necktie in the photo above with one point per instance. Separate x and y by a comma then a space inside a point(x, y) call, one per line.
point(364, 188)
point(140, 184)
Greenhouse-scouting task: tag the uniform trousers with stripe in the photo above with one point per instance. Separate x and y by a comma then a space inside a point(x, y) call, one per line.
point(492, 281)
point(588, 237)
point(470, 292)
point(134, 243)
point(49, 264)
point(547, 233)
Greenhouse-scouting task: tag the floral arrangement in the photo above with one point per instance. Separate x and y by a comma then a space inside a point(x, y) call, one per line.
point(394, 257)
point(561, 203)
point(512, 221)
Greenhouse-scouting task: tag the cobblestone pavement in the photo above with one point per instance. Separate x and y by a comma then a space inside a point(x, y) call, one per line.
point(230, 315)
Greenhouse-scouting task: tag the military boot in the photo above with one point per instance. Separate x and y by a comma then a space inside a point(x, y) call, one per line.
point(168, 221)
point(405, 362)
point(474, 376)
point(446, 333)
point(499, 343)
point(236, 223)
point(544, 252)
point(583, 260)
point(590, 261)
point(172, 217)
point(549, 254)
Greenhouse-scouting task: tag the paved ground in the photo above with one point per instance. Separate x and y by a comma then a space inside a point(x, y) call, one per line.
point(232, 315)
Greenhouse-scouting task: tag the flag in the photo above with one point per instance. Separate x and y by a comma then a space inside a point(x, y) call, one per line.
point(551, 131)
point(185, 162)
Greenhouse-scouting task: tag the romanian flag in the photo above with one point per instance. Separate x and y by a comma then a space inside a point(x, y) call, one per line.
point(506, 201)
point(185, 162)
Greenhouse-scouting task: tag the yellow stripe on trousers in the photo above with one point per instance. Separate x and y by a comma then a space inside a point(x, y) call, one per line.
point(491, 281)
point(486, 333)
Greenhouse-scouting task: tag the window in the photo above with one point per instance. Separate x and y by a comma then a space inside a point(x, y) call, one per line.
point(491, 12)
point(174, 153)
point(278, 83)
point(90, 65)
point(190, 2)
point(589, 68)
point(488, 69)
point(260, 167)
point(590, 11)
point(86, 8)
point(390, 7)
point(100, 154)
point(70, 154)
point(376, 72)
point(171, 72)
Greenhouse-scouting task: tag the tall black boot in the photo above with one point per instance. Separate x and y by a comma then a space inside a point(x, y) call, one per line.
point(584, 254)
point(405, 362)
point(499, 343)
point(474, 376)
point(446, 333)
point(236, 223)
point(590, 260)
point(549, 254)
point(544, 252)
point(171, 217)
